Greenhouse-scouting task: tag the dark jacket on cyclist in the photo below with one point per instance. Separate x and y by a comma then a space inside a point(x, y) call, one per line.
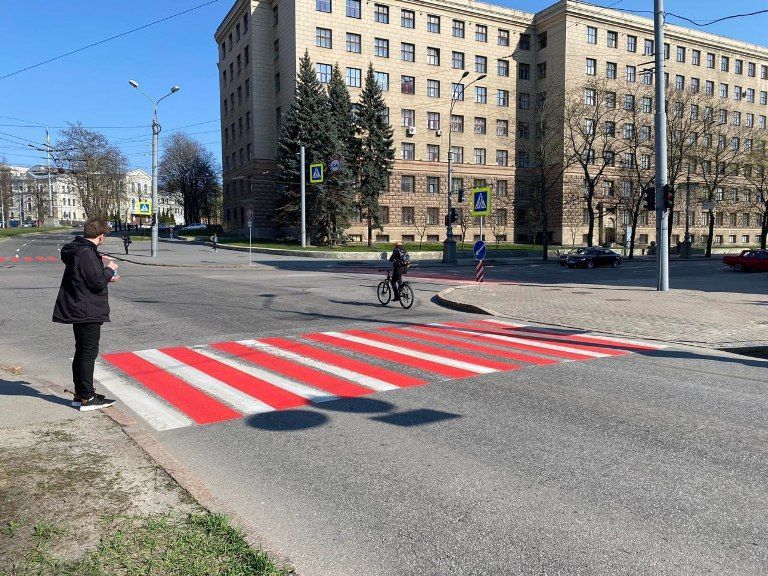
point(400, 261)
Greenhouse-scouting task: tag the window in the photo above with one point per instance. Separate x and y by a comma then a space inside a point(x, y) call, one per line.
point(680, 56)
point(433, 23)
point(407, 215)
point(525, 42)
point(381, 47)
point(502, 98)
point(433, 185)
point(433, 56)
point(679, 82)
point(591, 35)
point(541, 70)
point(457, 29)
point(542, 38)
point(481, 64)
point(750, 95)
point(696, 57)
point(724, 63)
point(694, 85)
point(645, 133)
point(723, 118)
point(631, 43)
point(457, 154)
point(457, 123)
point(523, 130)
point(407, 117)
point(590, 96)
point(589, 126)
point(710, 60)
point(763, 97)
point(248, 120)
point(480, 125)
point(610, 100)
point(591, 66)
point(610, 128)
point(433, 214)
point(433, 120)
point(610, 70)
point(647, 77)
point(323, 73)
point(522, 159)
point(502, 128)
point(323, 5)
point(762, 122)
point(749, 120)
point(648, 47)
point(458, 91)
point(666, 51)
point(409, 151)
point(354, 77)
point(382, 78)
point(710, 88)
point(764, 72)
point(481, 94)
point(503, 38)
point(408, 19)
point(407, 183)
point(433, 88)
point(629, 101)
point(631, 74)
point(523, 101)
point(481, 33)
point(457, 60)
point(738, 66)
point(407, 84)
point(524, 71)
point(323, 38)
point(353, 43)
point(353, 8)
point(503, 67)
point(612, 39)
point(381, 14)
point(479, 155)
point(629, 130)
point(275, 17)
point(407, 52)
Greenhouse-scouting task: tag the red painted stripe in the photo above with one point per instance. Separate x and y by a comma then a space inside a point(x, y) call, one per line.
point(544, 339)
point(28, 259)
point(397, 357)
point(15, 259)
point(52, 259)
point(199, 406)
point(456, 340)
point(40, 258)
point(401, 380)
point(268, 393)
point(502, 366)
point(516, 345)
point(294, 370)
point(580, 338)
point(2, 259)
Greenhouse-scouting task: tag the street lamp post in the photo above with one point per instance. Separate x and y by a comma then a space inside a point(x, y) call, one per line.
point(155, 134)
point(449, 246)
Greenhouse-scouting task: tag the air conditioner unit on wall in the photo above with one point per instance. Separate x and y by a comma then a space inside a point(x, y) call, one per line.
point(411, 130)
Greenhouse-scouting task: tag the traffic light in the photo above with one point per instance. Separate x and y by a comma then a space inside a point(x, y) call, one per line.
point(650, 198)
point(454, 215)
point(669, 196)
point(461, 195)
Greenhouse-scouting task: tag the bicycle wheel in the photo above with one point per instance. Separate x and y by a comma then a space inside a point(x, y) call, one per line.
point(384, 292)
point(406, 295)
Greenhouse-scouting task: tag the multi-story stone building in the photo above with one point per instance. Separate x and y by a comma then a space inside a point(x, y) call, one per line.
point(469, 72)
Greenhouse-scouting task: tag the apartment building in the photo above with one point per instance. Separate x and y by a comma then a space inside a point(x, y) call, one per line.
point(469, 72)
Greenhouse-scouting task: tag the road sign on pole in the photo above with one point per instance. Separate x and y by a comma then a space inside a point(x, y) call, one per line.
point(315, 173)
point(480, 250)
point(481, 201)
point(144, 208)
point(335, 165)
point(479, 272)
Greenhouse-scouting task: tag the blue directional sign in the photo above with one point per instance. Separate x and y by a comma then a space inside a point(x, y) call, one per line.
point(481, 201)
point(480, 250)
point(335, 165)
point(315, 173)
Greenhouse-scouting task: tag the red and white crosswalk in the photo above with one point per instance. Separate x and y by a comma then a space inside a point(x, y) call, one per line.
point(6, 260)
point(182, 386)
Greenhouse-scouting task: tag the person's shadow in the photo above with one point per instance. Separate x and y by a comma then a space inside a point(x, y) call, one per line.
point(21, 388)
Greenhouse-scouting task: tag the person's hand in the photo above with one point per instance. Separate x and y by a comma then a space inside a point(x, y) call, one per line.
point(115, 278)
point(112, 264)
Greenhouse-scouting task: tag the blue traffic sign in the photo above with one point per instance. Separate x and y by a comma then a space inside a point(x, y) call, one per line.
point(480, 250)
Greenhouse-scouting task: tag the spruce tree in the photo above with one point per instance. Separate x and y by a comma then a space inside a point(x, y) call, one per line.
point(306, 124)
point(376, 150)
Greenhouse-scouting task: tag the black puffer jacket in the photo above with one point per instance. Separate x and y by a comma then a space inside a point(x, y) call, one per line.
point(83, 293)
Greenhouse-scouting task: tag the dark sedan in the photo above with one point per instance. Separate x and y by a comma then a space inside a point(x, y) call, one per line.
point(592, 258)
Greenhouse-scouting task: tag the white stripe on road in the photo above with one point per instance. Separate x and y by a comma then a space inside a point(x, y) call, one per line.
point(352, 376)
point(312, 394)
point(208, 384)
point(514, 340)
point(156, 413)
point(413, 353)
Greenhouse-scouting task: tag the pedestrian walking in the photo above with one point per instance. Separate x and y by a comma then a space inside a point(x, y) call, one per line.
point(214, 240)
point(400, 261)
point(126, 241)
point(83, 302)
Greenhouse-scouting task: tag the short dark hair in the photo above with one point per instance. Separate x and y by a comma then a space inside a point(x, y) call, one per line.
point(94, 227)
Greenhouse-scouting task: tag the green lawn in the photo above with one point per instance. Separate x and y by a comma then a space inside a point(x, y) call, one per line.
point(383, 247)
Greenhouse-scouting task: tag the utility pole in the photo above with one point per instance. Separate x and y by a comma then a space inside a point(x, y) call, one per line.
point(662, 241)
point(303, 198)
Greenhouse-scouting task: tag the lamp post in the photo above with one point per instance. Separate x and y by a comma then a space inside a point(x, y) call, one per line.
point(449, 246)
point(155, 134)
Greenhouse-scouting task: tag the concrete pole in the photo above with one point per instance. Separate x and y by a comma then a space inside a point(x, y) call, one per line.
point(155, 229)
point(662, 242)
point(50, 188)
point(303, 198)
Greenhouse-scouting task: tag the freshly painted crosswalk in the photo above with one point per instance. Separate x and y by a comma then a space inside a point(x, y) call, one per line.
point(183, 386)
point(16, 259)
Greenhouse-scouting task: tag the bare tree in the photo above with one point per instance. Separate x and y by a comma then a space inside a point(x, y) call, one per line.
point(756, 173)
point(421, 223)
point(573, 211)
point(464, 219)
point(97, 167)
point(40, 200)
point(497, 221)
point(6, 192)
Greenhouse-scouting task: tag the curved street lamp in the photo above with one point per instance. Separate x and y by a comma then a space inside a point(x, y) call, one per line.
point(155, 134)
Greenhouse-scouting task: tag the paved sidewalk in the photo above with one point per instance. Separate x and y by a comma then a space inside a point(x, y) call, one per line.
point(716, 319)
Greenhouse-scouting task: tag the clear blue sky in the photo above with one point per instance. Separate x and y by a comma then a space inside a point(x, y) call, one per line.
point(92, 86)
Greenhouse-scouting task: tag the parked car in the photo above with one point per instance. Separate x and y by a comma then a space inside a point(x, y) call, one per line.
point(592, 258)
point(564, 256)
point(748, 260)
point(192, 227)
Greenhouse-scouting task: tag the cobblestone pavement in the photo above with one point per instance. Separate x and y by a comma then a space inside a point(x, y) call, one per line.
point(716, 319)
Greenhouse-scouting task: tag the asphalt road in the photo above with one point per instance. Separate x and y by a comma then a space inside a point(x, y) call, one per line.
point(653, 462)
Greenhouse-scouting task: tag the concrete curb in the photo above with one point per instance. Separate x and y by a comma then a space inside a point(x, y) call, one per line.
point(443, 300)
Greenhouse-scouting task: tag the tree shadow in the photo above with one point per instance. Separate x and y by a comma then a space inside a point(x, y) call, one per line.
point(21, 388)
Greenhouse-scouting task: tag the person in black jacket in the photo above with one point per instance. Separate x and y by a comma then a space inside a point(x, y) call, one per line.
point(126, 241)
point(400, 262)
point(83, 301)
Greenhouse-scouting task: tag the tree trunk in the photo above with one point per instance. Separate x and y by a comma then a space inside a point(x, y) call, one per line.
point(591, 214)
point(635, 218)
point(370, 231)
point(544, 220)
point(764, 229)
point(708, 253)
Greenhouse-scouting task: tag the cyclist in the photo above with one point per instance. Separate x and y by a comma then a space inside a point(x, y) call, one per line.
point(400, 262)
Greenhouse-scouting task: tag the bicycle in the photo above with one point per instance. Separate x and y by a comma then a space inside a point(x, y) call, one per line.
point(384, 290)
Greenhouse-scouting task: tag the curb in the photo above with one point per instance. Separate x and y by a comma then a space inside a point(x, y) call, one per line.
point(443, 300)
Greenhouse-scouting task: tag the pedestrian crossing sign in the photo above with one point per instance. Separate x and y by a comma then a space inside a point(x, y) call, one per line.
point(144, 208)
point(481, 201)
point(315, 173)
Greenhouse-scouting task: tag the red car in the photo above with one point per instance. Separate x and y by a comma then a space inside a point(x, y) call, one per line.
point(748, 260)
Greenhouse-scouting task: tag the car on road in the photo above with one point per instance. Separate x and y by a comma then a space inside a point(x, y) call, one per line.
point(748, 260)
point(592, 258)
point(564, 255)
point(193, 227)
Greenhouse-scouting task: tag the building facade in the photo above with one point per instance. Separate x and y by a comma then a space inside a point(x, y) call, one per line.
point(473, 72)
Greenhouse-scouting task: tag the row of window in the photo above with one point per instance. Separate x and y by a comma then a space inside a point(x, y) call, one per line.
point(408, 152)
point(408, 119)
point(240, 126)
point(681, 54)
point(381, 15)
point(235, 72)
point(229, 104)
point(237, 159)
point(223, 51)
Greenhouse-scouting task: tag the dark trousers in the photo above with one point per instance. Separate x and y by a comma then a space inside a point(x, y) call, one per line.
point(126, 247)
point(87, 337)
point(397, 280)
